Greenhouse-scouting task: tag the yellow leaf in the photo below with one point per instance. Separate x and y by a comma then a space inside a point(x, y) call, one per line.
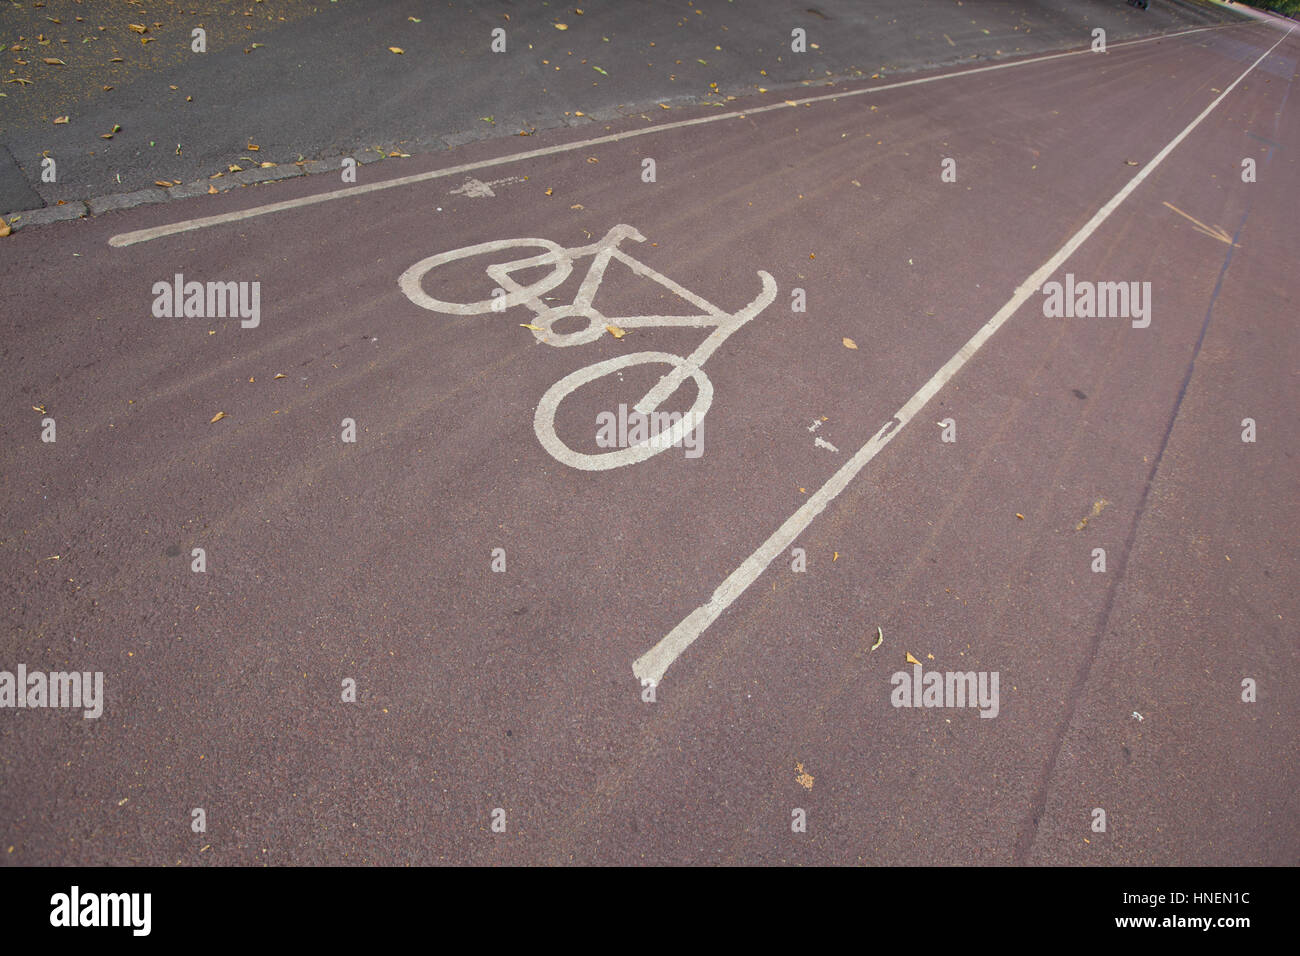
point(138, 27)
point(549, 191)
point(615, 331)
point(161, 182)
point(396, 49)
point(60, 119)
point(212, 189)
point(4, 231)
point(53, 61)
point(267, 165)
point(235, 169)
point(1020, 516)
point(253, 146)
point(561, 26)
point(849, 343)
point(217, 417)
point(911, 659)
point(535, 328)
point(279, 375)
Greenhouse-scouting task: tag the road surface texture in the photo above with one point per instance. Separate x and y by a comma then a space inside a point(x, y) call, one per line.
point(948, 456)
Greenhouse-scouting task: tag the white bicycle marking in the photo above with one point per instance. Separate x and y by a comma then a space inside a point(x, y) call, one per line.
point(546, 316)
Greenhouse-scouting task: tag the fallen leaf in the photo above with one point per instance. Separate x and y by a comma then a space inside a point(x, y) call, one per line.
point(535, 328)
point(279, 375)
point(561, 26)
point(1096, 510)
point(615, 331)
point(803, 776)
point(217, 417)
point(266, 165)
point(549, 191)
point(138, 27)
point(664, 106)
point(1129, 162)
point(1020, 516)
point(835, 557)
point(212, 190)
point(4, 231)
point(59, 120)
point(396, 49)
point(253, 147)
point(849, 343)
point(911, 659)
point(592, 159)
point(600, 71)
point(577, 205)
point(161, 182)
point(53, 61)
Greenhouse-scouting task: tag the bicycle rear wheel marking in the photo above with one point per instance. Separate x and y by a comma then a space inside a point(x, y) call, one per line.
point(555, 253)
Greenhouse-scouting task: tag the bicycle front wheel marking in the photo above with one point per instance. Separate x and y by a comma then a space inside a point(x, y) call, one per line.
point(544, 419)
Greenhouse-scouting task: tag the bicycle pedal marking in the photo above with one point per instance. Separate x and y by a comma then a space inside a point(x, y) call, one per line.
point(546, 315)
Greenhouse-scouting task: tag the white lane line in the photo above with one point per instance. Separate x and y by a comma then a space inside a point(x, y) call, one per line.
point(187, 225)
point(652, 665)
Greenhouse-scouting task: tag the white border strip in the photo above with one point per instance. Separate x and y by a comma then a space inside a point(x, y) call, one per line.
point(187, 225)
point(652, 665)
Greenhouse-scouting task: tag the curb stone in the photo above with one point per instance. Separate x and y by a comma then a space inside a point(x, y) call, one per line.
point(43, 217)
point(140, 197)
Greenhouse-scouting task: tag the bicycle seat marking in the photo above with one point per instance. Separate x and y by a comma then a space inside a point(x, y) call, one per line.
point(561, 260)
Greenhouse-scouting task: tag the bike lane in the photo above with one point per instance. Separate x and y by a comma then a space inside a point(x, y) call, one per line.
point(376, 559)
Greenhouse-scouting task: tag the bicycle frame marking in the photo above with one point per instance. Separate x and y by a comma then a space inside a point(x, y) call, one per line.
point(546, 316)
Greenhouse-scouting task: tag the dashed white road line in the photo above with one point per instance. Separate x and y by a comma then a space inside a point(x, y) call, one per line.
point(188, 225)
point(650, 667)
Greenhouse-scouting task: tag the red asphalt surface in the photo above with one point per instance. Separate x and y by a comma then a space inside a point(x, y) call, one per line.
point(481, 690)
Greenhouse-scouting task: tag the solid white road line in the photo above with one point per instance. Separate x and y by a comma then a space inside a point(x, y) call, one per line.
point(187, 225)
point(652, 665)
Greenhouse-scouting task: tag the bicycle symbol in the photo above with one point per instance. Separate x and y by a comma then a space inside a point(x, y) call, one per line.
point(561, 260)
